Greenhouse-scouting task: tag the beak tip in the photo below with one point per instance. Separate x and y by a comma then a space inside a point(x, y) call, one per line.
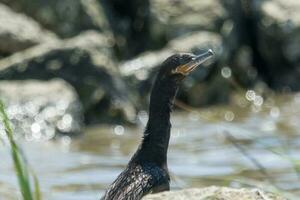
point(210, 51)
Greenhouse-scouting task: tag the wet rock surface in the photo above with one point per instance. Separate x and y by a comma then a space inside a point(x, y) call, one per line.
point(18, 32)
point(66, 18)
point(278, 42)
point(256, 43)
point(215, 193)
point(130, 23)
point(261, 39)
point(85, 62)
point(196, 42)
point(176, 18)
point(39, 110)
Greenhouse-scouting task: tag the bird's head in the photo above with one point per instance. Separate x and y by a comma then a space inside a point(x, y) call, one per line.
point(178, 66)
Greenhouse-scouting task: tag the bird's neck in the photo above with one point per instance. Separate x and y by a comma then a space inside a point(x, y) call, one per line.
point(155, 143)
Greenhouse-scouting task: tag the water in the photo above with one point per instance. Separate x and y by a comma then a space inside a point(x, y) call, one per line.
point(266, 132)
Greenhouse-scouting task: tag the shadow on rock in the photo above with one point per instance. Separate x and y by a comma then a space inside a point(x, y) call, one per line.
point(86, 63)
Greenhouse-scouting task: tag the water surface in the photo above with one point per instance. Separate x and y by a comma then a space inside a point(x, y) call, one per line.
point(264, 151)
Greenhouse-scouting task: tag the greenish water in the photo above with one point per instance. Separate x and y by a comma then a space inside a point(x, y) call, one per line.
point(200, 154)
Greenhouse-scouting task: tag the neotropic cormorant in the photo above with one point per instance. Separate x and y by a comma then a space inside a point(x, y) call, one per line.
point(147, 171)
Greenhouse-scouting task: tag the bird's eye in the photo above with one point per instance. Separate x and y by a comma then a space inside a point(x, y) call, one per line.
point(174, 71)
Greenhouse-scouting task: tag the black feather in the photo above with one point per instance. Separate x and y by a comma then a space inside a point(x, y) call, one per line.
point(147, 171)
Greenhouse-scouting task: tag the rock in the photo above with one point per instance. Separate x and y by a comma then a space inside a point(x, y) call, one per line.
point(240, 50)
point(173, 18)
point(214, 193)
point(66, 18)
point(38, 109)
point(262, 42)
point(130, 22)
point(140, 71)
point(196, 42)
point(86, 63)
point(18, 32)
point(278, 31)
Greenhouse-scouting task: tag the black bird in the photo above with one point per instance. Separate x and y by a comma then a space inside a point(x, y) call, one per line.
point(147, 171)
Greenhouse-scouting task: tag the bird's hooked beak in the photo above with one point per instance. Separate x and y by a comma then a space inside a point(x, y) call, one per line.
point(185, 69)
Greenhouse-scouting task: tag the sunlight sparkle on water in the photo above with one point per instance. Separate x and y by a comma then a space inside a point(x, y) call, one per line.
point(35, 128)
point(258, 100)
point(66, 140)
point(229, 116)
point(119, 130)
point(250, 95)
point(255, 98)
point(65, 124)
point(67, 119)
point(226, 72)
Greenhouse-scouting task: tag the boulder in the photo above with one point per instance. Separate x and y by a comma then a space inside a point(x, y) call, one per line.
point(175, 18)
point(65, 18)
point(130, 22)
point(240, 49)
point(141, 70)
point(39, 110)
point(18, 32)
point(215, 193)
point(196, 42)
point(86, 63)
point(261, 41)
point(278, 38)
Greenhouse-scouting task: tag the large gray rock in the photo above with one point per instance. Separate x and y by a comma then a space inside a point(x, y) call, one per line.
point(196, 42)
point(141, 70)
point(39, 110)
point(175, 18)
point(86, 63)
point(130, 22)
point(215, 193)
point(278, 42)
point(261, 40)
point(18, 32)
point(66, 18)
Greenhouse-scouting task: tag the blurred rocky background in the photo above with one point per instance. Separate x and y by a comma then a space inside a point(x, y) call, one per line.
point(73, 62)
